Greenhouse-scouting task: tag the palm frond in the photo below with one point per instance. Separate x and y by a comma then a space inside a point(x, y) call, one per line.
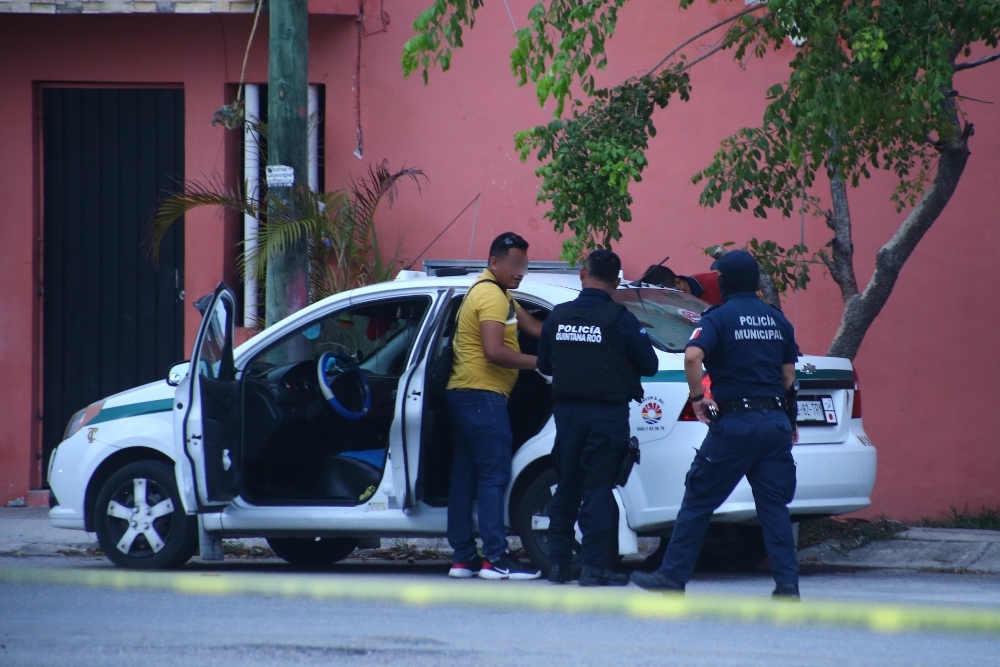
point(344, 245)
point(194, 195)
point(308, 216)
point(380, 183)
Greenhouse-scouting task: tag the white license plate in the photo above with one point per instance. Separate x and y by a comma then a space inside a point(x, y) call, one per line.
point(816, 410)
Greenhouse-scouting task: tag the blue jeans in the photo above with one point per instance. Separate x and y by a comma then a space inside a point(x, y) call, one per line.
point(759, 446)
point(481, 442)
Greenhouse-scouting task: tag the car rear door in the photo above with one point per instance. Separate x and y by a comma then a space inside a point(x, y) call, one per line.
point(206, 412)
point(405, 432)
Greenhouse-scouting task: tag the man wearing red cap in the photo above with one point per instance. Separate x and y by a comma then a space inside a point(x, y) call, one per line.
point(704, 286)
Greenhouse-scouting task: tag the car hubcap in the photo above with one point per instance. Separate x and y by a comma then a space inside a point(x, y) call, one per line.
point(145, 509)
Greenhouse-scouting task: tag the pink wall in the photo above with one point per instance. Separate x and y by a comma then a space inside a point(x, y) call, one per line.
point(929, 421)
point(928, 415)
point(199, 53)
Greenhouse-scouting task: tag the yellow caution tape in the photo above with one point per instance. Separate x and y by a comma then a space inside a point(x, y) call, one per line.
point(540, 597)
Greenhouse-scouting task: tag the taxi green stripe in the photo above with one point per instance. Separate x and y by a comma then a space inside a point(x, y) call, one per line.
point(132, 410)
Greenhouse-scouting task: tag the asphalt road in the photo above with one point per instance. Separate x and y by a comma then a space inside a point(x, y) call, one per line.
point(74, 625)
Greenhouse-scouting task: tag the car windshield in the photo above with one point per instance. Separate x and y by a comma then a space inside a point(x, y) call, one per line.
point(668, 316)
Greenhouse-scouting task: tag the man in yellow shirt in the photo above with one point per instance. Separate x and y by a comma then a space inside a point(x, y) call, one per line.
point(487, 359)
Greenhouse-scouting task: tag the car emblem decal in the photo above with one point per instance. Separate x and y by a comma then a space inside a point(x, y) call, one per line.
point(652, 412)
point(808, 369)
point(91, 434)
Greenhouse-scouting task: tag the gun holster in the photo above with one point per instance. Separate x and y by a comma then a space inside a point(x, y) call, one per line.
point(631, 458)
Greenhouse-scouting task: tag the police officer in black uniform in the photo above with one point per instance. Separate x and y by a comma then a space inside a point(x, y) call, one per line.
point(595, 351)
point(748, 349)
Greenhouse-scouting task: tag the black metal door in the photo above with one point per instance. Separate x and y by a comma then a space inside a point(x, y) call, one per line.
point(111, 321)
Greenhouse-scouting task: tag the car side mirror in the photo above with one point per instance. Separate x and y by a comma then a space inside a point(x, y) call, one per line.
point(178, 372)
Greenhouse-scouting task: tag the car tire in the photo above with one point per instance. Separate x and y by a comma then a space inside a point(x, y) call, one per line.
point(140, 519)
point(313, 551)
point(534, 502)
point(730, 547)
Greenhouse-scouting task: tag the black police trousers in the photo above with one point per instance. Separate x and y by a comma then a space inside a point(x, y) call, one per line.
point(755, 444)
point(591, 439)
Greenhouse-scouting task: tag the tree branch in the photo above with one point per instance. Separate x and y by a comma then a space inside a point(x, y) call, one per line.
point(826, 260)
point(841, 263)
point(749, 10)
point(861, 310)
point(709, 53)
point(976, 63)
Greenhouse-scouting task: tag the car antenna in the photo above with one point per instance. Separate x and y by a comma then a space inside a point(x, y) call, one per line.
point(637, 283)
point(446, 227)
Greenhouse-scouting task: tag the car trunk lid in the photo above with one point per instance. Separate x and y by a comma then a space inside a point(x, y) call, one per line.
point(826, 394)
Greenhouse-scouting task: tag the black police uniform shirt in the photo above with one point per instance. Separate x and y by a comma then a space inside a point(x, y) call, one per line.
point(638, 348)
point(746, 341)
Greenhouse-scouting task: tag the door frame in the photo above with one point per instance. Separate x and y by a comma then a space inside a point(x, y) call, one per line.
point(405, 468)
point(36, 476)
point(192, 473)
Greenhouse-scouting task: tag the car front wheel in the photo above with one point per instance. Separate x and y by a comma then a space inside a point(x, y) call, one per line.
point(140, 520)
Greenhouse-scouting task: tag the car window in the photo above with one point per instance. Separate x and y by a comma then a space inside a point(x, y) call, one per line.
point(668, 316)
point(213, 345)
point(377, 335)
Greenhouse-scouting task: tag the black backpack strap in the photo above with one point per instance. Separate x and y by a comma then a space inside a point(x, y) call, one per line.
point(454, 324)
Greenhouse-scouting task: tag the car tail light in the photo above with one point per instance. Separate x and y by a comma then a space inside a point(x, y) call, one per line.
point(687, 414)
point(856, 409)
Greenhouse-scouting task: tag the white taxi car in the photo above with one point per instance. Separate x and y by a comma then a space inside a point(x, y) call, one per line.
point(329, 427)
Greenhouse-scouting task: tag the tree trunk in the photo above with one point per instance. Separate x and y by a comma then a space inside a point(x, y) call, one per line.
point(768, 290)
point(841, 264)
point(287, 289)
point(860, 310)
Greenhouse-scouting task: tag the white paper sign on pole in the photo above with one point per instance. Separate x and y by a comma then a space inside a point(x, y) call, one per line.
point(280, 176)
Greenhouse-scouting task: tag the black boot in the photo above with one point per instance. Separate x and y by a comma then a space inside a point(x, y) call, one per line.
point(786, 593)
point(561, 574)
point(656, 581)
point(602, 576)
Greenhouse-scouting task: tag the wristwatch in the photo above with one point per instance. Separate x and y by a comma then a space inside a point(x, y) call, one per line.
point(695, 399)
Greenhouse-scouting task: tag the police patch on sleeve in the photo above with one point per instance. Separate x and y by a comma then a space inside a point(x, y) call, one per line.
point(695, 333)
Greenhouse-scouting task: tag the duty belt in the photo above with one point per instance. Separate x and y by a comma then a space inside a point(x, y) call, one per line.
point(751, 405)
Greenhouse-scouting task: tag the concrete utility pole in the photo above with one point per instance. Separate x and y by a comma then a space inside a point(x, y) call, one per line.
point(287, 135)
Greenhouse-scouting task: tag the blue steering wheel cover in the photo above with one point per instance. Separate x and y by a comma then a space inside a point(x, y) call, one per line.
point(328, 392)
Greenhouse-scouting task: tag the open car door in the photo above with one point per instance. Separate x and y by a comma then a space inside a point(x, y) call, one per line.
point(206, 412)
point(406, 430)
